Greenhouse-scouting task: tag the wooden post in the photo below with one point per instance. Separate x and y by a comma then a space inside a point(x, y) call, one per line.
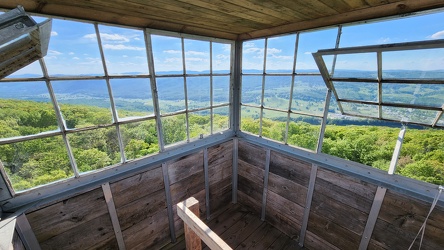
point(192, 240)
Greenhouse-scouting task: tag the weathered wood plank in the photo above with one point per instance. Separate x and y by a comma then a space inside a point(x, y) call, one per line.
point(192, 239)
point(185, 167)
point(136, 211)
point(287, 189)
point(290, 168)
point(227, 219)
point(71, 213)
point(312, 241)
point(281, 241)
point(96, 233)
point(220, 172)
point(262, 238)
point(220, 194)
point(240, 231)
point(252, 154)
point(250, 194)
point(251, 172)
point(137, 186)
point(220, 153)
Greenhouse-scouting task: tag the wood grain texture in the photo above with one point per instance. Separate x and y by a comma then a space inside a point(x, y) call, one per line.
point(184, 167)
point(290, 168)
point(252, 154)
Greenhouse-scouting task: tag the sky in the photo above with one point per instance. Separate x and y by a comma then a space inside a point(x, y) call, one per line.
point(73, 49)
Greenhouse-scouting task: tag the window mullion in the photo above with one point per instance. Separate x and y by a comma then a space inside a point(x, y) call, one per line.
point(185, 90)
point(263, 87)
point(60, 120)
point(110, 93)
point(211, 88)
point(292, 87)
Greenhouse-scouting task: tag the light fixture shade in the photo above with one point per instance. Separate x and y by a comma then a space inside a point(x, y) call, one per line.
point(22, 40)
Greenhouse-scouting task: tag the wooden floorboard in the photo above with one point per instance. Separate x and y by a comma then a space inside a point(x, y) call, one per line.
point(242, 229)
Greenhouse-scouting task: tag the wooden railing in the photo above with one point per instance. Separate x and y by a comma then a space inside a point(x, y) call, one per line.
point(195, 229)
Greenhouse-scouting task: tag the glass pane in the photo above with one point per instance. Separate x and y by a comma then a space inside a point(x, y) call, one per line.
point(95, 149)
point(393, 31)
point(171, 94)
point(253, 56)
point(174, 129)
point(309, 95)
point(251, 90)
point(360, 109)
point(139, 139)
point(197, 56)
point(362, 65)
point(360, 91)
point(310, 42)
point(132, 97)
point(221, 119)
point(167, 52)
point(409, 115)
point(280, 54)
point(73, 53)
point(277, 92)
point(303, 131)
point(273, 125)
point(221, 57)
point(198, 89)
point(32, 70)
point(421, 94)
point(83, 103)
point(200, 124)
point(250, 120)
point(124, 50)
point(221, 89)
point(36, 162)
point(25, 109)
point(413, 64)
point(441, 121)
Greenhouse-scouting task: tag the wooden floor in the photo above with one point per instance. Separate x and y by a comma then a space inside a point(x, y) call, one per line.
point(241, 229)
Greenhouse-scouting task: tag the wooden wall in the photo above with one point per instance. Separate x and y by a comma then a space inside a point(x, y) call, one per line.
point(339, 208)
point(83, 221)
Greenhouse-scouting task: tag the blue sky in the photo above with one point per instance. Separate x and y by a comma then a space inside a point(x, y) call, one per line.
point(73, 48)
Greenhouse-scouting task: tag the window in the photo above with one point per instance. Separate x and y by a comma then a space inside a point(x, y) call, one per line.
point(89, 103)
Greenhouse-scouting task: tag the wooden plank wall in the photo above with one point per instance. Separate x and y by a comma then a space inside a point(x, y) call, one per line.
point(83, 221)
point(340, 206)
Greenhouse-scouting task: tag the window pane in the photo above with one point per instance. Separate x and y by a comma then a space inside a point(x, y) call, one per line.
point(251, 90)
point(309, 95)
point(221, 119)
point(200, 123)
point(253, 56)
point(171, 94)
point(221, 89)
point(167, 52)
point(221, 57)
point(132, 97)
point(409, 115)
point(280, 54)
point(360, 109)
point(83, 103)
point(303, 131)
point(73, 53)
point(35, 162)
point(198, 89)
point(25, 109)
point(422, 94)
point(124, 50)
point(95, 149)
point(413, 64)
point(250, 120)
point(197, 56)
point(139, 139)
point(32, 70)
point(310, 42)
point(277, 92)
point(362, 65)
point(360, 91)
point(174, 129)
point(273, 125)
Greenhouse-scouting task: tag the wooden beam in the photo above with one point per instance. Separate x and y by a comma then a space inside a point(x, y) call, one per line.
point(186, 211)
point(26, 234)
point(113, 215)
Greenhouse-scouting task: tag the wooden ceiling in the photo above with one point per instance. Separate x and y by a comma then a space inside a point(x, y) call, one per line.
point(230, 19)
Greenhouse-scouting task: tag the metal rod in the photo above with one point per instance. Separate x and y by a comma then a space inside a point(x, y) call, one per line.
point(265, 190)
point(261, 115)
point(310, 191)
point(338, 40)
point(283, 111)
point(397, 150)
point(287, 125)
point(113, 215)
point(324, 122)
point(235, 89)
point(185, 90)
point(166, 181)
point(390, 104)
point(211, 88)
point(235, 170)
point(379, 60)
point(207, 183)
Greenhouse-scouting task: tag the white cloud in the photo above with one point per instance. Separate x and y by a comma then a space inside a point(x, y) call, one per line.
point(249, 45)
point(222, 57)
point(136, 38)
point(76, 58)
point(125, 56)
point(307, 53)
point(194, 59)
point(71, 53)
point(171, 51)
point(121, 47)
point(54, 33)
point(253, 50)
point(383, 40)
point(106, 37)
point(227, 47)
point(54, 52)
point(438, 35)
point(195, 53)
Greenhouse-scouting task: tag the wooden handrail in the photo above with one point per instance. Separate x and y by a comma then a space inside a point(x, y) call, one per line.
point(195, 229)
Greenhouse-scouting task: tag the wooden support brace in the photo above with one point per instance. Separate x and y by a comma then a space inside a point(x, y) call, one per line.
point(196, 229)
